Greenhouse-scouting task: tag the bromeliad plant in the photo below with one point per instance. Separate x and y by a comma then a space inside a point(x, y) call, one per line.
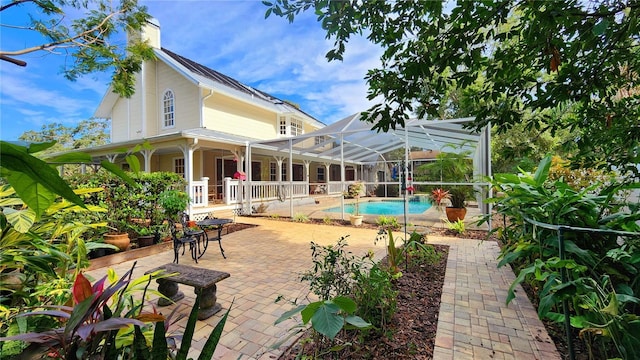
point(603, 267)
point(438, 196)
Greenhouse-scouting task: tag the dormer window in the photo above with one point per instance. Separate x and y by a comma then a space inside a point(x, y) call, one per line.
point(168, 107)
point(296, 127)
point(290, 126)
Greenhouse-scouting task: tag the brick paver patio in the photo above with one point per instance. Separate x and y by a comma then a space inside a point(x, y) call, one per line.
point(265, 261)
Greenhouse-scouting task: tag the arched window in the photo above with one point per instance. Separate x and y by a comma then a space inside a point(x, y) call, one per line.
point(168, 109)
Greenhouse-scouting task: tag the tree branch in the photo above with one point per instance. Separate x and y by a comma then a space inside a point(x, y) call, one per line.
point(55, 44)
point(14, 3)
point(13, 61)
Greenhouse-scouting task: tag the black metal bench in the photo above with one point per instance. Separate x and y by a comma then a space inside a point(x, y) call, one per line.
point(203, 281)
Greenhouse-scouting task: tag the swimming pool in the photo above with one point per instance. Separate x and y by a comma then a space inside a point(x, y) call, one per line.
point(385, 207)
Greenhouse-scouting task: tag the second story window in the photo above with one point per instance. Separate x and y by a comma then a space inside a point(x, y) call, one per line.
point(290, 126)
point(168, 109)
point(296, 127)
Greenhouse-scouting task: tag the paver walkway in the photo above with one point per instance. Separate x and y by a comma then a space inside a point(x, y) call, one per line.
point(474, 322)
point(265, 261)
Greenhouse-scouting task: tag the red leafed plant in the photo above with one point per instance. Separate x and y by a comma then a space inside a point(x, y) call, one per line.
point(91, 326)
point(438, 195)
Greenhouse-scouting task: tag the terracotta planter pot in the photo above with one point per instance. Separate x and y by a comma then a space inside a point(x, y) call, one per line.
point(121, 241)
point(455, 214)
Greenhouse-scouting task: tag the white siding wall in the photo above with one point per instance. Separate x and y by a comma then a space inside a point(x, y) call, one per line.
point(152, 100)
point(119, 121)
point(187, 113)
point(229, 115)
point(135, 111)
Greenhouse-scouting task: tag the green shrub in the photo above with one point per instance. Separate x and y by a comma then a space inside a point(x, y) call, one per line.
point(373, 292)
point(332, 271)
point(602, 267)
point(457, 226)
point(124, 201)
point(388, 222)
point(337, 274)
point(300, 217)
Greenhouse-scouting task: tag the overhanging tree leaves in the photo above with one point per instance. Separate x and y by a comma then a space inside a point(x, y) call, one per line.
point(530, 56)
point(90, 40)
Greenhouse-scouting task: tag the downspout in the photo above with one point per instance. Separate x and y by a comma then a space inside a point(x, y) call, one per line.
point(143, 99)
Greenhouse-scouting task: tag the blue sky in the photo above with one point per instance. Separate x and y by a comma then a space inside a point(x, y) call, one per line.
point(233, 37)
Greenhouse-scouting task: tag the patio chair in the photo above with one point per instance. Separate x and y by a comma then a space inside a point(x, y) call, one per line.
point(192, 231)
point(182, 238)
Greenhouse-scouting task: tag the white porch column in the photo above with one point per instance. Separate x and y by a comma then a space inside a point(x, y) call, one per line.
point(240, 159)
point(147, 153)
point(327, 167)
point(187, 152)
point(279, 161)
point(112, 158)
point(307, 176)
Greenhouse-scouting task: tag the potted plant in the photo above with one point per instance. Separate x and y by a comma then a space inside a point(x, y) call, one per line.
point(146, 235)
point(454, 166)
point(458, 209)
point(355, 191)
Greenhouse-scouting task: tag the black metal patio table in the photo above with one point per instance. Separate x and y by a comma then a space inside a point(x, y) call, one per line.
point(213, 224)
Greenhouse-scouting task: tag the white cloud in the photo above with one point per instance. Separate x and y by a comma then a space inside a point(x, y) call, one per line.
point(23, 92)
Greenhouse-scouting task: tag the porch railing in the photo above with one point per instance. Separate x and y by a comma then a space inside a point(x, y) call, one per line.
point(264, 190)
point(199, 192)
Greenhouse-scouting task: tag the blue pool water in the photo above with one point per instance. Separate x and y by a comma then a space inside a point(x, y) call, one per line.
point(385, 207)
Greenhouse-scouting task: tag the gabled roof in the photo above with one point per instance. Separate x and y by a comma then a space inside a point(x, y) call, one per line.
point(218, 77)
point(206, 77)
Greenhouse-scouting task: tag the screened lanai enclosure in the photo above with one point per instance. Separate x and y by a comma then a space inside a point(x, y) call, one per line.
point(325, 162)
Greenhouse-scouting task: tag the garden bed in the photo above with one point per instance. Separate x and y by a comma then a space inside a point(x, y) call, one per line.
point(412, 332)
point(133, 254)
